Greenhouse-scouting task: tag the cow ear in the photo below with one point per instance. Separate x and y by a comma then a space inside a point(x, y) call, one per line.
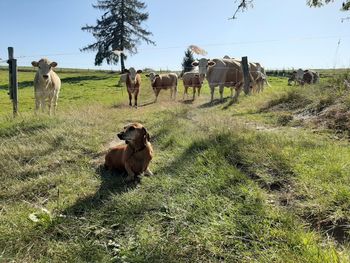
point(195, 63)
point(147, 75)
point(139, 71)
point(156, 76)
point(53, 64)
point(211, 63)
point(126, 71)
point(35, 64)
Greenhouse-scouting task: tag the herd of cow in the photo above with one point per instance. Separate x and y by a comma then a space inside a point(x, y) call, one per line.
point(225, 72)
point(302, 77)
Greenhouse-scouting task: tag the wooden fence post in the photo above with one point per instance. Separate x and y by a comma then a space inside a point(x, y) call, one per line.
point(13, 83)
point(246, 75)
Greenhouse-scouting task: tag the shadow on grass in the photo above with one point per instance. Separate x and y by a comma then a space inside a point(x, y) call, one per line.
point(77, 79)
point(214, 103)
point(187, 101)
point(111, 183)
point(21, 85)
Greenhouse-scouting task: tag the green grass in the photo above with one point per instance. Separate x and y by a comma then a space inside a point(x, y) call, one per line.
point(233, 183)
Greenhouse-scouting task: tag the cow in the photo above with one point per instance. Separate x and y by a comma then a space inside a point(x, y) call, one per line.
point(222, 73)
point(163, 81)
point(192, 79)
point(47, 85)
point(292, 78)
point(259, 77)
point(133, 84)
point(303, 77)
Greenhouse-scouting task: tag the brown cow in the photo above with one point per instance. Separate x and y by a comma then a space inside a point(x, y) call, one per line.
point(192, 79)
point(133, 84)
point(163, 81)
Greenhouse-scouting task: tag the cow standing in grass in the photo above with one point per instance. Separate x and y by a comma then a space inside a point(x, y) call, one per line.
point(163, 82)
point(192, 79)
point(133, 84)
point(47, 85)
point(222, 73)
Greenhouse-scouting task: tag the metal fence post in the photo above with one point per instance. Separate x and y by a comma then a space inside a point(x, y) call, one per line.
point(13, 83)
point(246, 75)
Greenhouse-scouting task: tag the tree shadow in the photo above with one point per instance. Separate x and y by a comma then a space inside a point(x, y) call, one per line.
point(77, 79)
point(111, 183)
point(21, 85)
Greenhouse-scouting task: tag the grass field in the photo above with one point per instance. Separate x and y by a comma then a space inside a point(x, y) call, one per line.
point(262, 180)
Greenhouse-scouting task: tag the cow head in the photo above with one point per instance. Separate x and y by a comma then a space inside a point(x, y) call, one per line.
point(131, 75)
point(44, 67)
point(153, 77)
point(203, 65)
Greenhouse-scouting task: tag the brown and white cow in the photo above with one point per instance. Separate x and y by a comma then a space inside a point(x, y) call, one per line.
point(133, 84)
point(303, 77)
point(192, 79)
point(47, 85)
point(163, 82)
point(222, 73)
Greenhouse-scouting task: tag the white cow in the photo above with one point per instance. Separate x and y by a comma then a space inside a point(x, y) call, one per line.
point(222, 73)
point(47, 85)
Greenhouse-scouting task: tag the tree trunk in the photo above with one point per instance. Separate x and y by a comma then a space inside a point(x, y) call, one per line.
point(122, 65)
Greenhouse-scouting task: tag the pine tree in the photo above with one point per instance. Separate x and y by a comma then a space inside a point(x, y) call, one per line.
point(187, 61)
point(119, 28)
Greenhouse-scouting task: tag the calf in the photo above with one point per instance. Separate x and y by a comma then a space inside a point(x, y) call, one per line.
point(163, 81)
point(192, 79)
point(47, 85)
point(133, 84)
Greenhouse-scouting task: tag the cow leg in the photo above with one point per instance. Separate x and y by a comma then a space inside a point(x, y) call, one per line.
point(136, 95)
point(194, 93)
point(185, 92)
point(238, 91)
point(43, 104)
point(221, 90)
point(199, 91)
point(156, 92)
point(231, 92)
point(175, 92)
point(130, 99)
point(212, 89)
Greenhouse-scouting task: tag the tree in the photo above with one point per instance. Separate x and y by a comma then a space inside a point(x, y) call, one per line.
point(187, 61)
point(245, 4)
point(118, 30)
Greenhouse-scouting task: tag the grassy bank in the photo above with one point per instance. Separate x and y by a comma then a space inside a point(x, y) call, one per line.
point(233, 183)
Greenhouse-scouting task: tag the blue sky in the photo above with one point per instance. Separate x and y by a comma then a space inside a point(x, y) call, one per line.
point(279, 34)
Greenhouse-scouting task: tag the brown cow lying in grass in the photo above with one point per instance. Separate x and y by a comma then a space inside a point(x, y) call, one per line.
point(162, 82)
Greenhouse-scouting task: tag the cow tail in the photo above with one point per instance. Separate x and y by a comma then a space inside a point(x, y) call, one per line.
point(176, 84)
